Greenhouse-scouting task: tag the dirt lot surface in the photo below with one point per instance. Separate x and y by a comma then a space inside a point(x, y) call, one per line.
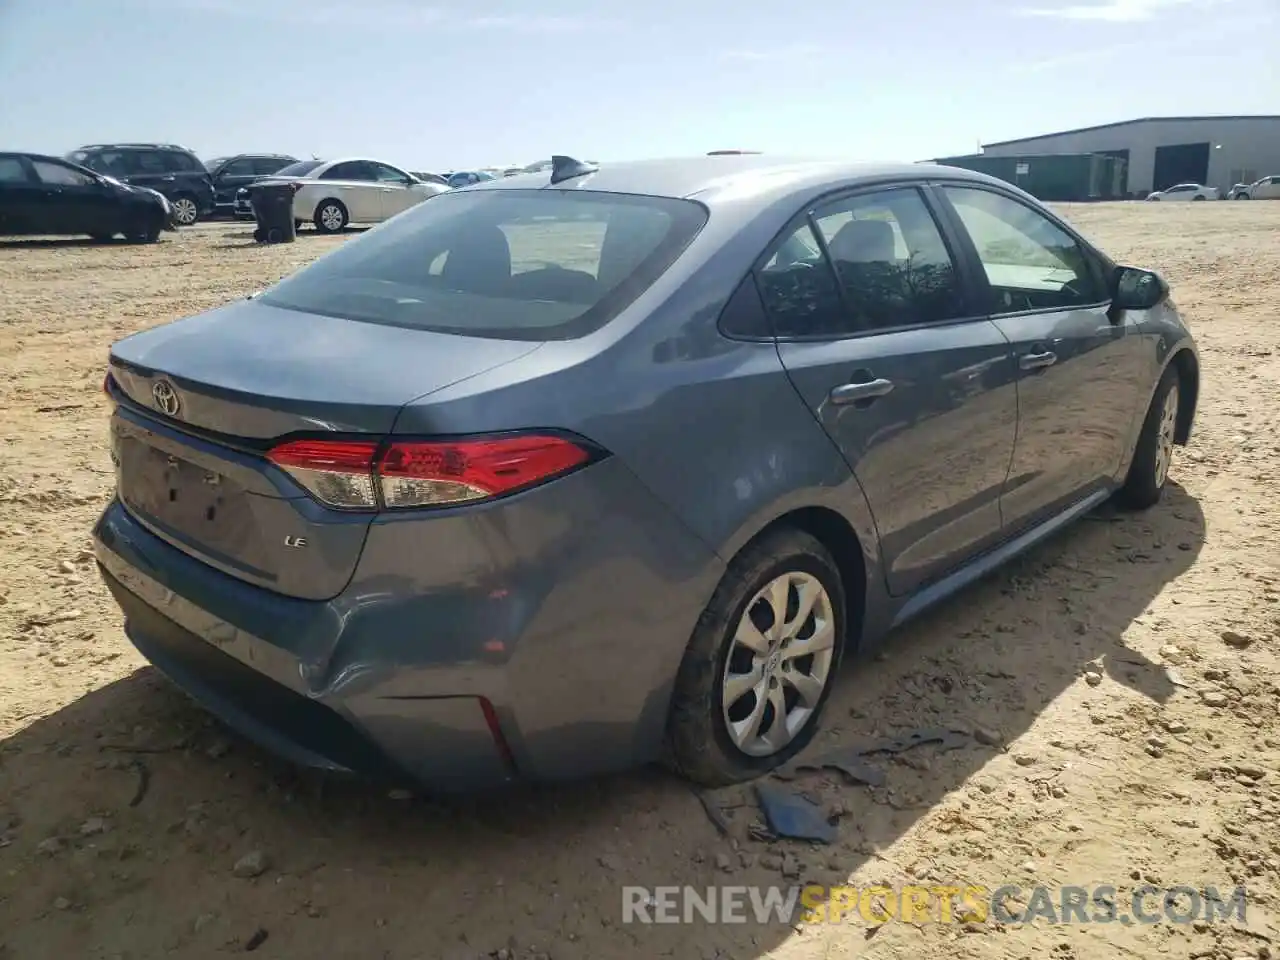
point(1124, 681)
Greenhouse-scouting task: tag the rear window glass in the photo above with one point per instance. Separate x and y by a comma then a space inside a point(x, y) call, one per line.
point(511, 264)
point(299, 169)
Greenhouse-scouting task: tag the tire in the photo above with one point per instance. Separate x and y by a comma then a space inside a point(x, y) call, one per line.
point(699, 744)
point(150, 235)
point(186, 211)
point(1145, 482)
point(1194, 199)
point(1243, 196)
point(331, 216)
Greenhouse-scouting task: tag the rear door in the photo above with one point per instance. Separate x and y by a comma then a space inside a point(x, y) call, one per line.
point(877, 328)
point(1082, 376)
point(356, 185)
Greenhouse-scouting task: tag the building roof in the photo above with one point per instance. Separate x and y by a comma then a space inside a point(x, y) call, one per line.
point(1129, 123)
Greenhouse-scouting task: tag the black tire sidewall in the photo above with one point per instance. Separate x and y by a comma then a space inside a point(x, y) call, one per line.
point(1140, 489)
point(700, 747)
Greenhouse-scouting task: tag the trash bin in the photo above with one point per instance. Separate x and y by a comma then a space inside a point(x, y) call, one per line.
point(273, 209)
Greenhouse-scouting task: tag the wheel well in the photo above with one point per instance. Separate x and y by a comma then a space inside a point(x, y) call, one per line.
point(834, 532)
point(1184, 361)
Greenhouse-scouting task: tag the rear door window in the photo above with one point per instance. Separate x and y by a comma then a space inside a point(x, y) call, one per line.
point(176, 161)
point(512, 264)
point(351, 170)
point(150, 161)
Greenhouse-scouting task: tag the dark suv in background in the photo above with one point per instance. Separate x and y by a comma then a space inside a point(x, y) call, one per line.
point(231, 173)
point(171, 170)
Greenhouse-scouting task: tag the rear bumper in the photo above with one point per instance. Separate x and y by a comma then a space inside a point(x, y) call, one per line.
point(443, 742)
point(541, 645)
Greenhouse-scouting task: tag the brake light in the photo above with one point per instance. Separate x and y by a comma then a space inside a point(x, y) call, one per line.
point(363, 475)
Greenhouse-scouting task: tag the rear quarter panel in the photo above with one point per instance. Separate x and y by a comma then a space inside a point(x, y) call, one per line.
point(712, 426)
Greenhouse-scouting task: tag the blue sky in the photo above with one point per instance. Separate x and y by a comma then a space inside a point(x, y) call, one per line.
point(505, 82)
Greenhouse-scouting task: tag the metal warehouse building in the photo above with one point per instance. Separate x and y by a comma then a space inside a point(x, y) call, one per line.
point(1162, 151)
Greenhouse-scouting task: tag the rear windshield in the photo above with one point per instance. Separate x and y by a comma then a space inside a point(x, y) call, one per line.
point(299, 169)
point(511, 264)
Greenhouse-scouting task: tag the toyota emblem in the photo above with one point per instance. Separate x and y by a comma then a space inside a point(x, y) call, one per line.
point(165, 398)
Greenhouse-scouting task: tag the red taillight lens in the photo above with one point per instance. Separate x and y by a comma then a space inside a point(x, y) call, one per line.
point(405, 474)
point(339, 473)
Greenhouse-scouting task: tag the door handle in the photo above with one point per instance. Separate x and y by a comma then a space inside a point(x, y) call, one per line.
point(1037, 361)
point(855, 392)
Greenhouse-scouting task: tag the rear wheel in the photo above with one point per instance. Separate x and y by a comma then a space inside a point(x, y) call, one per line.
point(185, 210)
point(331, 216)
point(1194, 199)
point(1152, 457)
point(760, 664)
point(1243, 196)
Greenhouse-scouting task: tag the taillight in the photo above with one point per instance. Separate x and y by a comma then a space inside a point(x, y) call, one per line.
point(363, 475)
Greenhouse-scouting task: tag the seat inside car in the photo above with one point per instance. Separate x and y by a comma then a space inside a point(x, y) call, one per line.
point(479, 261)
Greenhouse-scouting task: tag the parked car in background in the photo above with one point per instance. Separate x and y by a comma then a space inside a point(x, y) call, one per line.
point(465, 178)
point(1238, 191)
point(430, 177)
point(334, 193)
point(299, 168)
point(1268, 188)
point(167, 168)
point(472, 498)
point(1185, 191)
point(229, 174)
point(48, 196)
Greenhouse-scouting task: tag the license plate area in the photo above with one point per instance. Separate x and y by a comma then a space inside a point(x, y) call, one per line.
point(184, 498)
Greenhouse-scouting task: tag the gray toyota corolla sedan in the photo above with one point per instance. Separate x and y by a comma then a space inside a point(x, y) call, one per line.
point(580, 469)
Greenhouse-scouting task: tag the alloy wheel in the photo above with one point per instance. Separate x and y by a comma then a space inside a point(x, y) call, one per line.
point(1165, 433)
point(779, 664)
point(185, 211)
point(331, 217)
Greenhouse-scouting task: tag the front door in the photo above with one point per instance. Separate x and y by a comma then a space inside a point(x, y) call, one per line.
point(394, 190)
point(76, 202)
point(877, 331)
point(1081, 375)
point(234, 174)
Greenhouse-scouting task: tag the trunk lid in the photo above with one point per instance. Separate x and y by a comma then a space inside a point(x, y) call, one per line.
point(207, 395)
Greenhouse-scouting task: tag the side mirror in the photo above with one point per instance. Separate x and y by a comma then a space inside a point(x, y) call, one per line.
point(1137, 289)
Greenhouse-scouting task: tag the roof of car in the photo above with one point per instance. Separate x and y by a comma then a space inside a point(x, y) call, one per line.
point(712, 178)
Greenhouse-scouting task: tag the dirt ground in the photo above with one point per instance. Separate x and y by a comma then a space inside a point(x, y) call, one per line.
point(1129, 673)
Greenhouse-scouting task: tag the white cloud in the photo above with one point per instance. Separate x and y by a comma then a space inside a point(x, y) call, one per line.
point(1115, 11)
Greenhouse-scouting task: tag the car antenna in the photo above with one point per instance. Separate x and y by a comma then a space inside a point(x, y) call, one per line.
point(566, 168)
